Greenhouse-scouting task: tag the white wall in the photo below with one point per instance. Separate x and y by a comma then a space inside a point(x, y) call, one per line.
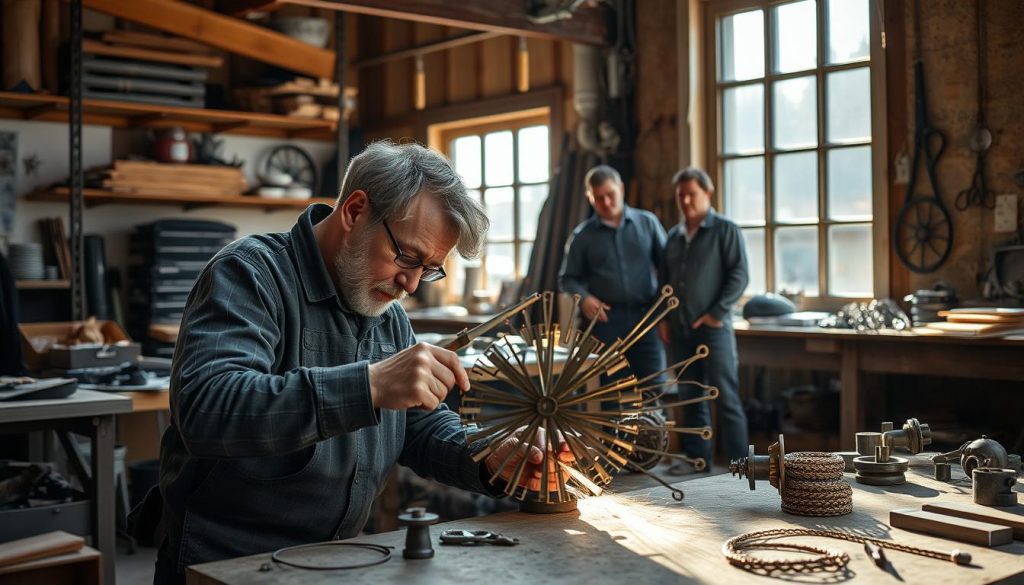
point(49, 142)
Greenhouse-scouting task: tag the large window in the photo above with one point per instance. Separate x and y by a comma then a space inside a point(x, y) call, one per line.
point(792, 127)
point(507, 165)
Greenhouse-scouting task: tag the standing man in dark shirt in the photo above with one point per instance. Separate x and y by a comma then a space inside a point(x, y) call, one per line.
point(297, 383)
point(611, 261)
point(705, 261)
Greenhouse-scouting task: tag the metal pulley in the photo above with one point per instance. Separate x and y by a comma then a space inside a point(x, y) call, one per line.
point(983, 452)
point(761, 467)
point(913, 437)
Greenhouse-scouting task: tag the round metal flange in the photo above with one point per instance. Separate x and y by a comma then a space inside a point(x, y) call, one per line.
point(882, 479)
point(895, 464)
point(848, 457)
point(750, 466)
point(782, 463)
point(535, 507)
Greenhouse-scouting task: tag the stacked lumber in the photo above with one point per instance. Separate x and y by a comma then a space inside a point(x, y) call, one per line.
point(55, 245)
point(146, 68)
point(301, 97)
point(152, 178)
point(978, 322)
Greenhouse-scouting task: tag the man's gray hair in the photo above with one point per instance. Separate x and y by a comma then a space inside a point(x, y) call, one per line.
point(694, 174)
point(392, 175)
point(598, 175)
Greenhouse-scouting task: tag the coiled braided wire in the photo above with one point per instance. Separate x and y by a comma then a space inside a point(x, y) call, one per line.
point(814, 485)
point(825, 561)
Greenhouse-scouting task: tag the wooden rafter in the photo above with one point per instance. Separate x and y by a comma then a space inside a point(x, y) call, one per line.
point(588, 25)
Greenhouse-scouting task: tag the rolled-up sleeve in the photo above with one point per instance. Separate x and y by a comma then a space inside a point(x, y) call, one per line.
point(225, 399)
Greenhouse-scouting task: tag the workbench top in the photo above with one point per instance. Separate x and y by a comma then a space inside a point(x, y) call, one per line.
point(646, 537)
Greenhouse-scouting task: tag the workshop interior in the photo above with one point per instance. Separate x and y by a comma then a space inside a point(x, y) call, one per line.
point(664, 291)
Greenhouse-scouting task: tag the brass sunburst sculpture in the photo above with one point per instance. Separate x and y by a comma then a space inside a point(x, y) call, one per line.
point(607, 424)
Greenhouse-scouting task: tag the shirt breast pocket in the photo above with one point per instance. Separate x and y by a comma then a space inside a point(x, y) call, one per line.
point(382, 351)
point(325, 349)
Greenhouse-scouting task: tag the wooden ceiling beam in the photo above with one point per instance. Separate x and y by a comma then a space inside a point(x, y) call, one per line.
point(588, 25)
point(224, 32)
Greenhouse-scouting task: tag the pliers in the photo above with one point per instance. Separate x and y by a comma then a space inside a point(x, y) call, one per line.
point(476, 538)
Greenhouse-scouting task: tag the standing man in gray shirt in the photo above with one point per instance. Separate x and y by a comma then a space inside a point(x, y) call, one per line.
point(297, 383)
point(611, 261)
point(705, 261)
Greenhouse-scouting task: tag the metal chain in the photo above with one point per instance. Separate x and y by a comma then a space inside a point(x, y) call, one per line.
point(826, 559)
point(814, 485)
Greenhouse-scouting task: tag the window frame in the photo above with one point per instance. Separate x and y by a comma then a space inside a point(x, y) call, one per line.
point(437, 127)
point(714, 11)
point(513, 121)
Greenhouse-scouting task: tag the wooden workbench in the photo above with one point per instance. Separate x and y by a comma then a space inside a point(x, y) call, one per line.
point(646, 537)
point(852, 355)
point(90, 414)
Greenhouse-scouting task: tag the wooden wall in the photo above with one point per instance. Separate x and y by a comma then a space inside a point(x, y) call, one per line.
point(948, 51)
point(460, 75)
point(657, 103)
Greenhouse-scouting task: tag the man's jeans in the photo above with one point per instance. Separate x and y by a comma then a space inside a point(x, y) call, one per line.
point(719, 369)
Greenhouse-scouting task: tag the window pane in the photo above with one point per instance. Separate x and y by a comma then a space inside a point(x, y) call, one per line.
point(744, 190)
point(466, 156)
point(500, 207)
point(525, 249)
point(754, 239)
point(742, 46)
point(795, 183)
point(796, 260)
point(849, 261)
point(743, 119)
point(533, 154)
point(796, 37)
point(795, 109)
point(849, 105)
point(849, 183)
point(500, 265)
point(848, 30)
point(531, 201)
point(499, 158)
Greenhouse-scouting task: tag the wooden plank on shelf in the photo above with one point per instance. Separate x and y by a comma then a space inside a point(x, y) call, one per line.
point(92, 47)
point(101, 196)
point(141, 39)
point(118, 114)
point(223, 32)
point(42, 284)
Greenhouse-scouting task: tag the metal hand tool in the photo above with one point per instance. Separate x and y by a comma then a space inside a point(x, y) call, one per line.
point(467, 335)
point(476, 538)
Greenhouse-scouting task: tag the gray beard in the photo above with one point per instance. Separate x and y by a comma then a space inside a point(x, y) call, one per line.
point(355, 284)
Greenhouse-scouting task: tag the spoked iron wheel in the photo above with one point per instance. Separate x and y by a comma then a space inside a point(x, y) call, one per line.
point(923, 236)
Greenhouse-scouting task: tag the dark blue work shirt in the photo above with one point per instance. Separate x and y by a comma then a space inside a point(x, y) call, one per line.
point(708, 273)
point(616, 265)
point(274, 440)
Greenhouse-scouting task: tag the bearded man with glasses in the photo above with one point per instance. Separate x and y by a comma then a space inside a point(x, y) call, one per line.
point(297, 382)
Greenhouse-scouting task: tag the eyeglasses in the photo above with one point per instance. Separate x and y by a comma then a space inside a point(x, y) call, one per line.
point(408, 262)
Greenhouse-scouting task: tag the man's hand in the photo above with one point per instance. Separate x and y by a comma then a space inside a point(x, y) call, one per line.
point(594, 306)
point(416, 377)
point(707, 319)
point(533, 471)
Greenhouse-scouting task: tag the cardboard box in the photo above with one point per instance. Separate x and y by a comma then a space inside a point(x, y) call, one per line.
point(39, 339)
